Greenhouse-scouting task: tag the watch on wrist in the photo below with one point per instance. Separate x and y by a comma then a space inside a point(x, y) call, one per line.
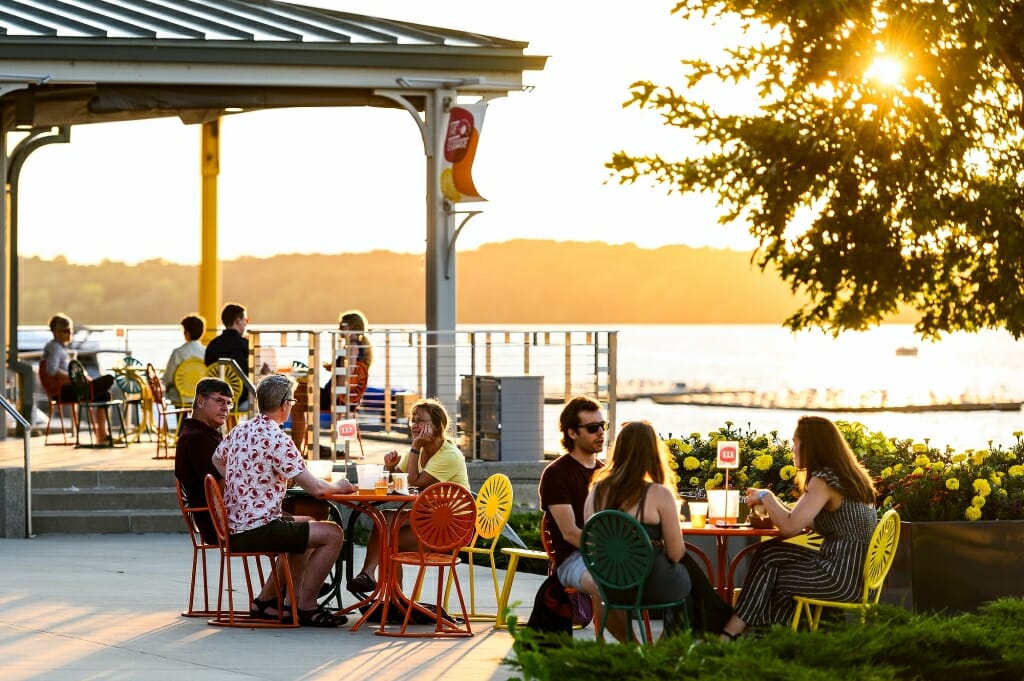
point(761, 495)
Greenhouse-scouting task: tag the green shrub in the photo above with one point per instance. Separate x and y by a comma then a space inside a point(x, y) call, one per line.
point(893, 645)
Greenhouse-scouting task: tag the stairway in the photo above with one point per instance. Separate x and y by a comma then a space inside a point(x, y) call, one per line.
point(104, 502)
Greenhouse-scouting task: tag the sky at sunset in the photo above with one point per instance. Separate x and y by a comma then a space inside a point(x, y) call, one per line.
point(351, 180)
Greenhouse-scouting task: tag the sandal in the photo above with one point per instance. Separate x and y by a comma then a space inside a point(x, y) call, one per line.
point(361, 584)
point(321, 617)
point(260, 610)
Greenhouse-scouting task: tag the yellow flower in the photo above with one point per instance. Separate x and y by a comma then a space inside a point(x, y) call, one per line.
point(982, 487)
point(1016, 471)
point(694, 436)
point(972, 513)
point(691, 463)
point(718, 479)
point(897, 468)
point(787, 472)
point(685, 447)
point(886, 473)
point(921, 460)
point(887, 503)
point(978, 501)
point(694, 481)
point(918, 471)
point(979, 457)
point(959, 458)
point(763, 462)
point(994, 479)
point(919, 447)
point(952, 484)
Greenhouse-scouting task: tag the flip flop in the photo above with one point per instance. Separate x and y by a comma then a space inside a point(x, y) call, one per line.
point(321, 617)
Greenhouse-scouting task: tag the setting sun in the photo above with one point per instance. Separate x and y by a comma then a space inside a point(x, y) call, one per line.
point(886, 69)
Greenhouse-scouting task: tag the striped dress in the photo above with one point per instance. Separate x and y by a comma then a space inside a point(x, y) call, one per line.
point(781, 570)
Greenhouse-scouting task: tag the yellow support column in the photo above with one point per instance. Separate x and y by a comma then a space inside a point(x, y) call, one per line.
point(209, 263)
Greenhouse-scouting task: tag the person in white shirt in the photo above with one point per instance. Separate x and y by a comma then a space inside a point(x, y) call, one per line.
point(193, 326)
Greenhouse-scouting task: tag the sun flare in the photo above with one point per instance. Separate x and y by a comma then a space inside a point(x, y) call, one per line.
point(886, 69)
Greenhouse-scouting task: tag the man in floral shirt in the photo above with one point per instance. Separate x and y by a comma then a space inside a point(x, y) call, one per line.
point(257, 459)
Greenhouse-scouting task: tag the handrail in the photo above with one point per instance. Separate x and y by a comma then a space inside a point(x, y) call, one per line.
point(26, 429)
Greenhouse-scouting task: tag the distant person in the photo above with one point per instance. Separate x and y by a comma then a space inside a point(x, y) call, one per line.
point(197, 440)
point(433, 457)
point(357, 353)
point(563, 489)
point(257, 460)
point(53, 372)
point(232, 342)
point(837, 502)
point(193, 326)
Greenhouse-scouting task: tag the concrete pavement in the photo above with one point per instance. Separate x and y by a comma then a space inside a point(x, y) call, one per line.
point(75, 607)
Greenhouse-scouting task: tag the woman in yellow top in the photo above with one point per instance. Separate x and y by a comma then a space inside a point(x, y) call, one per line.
point(432, 458)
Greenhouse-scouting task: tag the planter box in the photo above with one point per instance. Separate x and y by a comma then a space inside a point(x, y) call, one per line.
point(956, 566)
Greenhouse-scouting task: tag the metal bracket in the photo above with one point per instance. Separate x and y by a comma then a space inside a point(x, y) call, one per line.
point(450, 257)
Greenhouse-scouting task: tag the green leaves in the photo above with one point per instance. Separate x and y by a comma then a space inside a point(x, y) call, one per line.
point(866, 196)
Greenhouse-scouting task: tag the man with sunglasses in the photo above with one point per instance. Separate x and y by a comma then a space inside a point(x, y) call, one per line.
point(198, 437)
point(564, 485)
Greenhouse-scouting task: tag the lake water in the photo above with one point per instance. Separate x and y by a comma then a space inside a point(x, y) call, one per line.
point(986, 366)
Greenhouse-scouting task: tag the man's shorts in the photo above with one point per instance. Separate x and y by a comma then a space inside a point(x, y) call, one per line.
point(285, 536)
point(571, 571)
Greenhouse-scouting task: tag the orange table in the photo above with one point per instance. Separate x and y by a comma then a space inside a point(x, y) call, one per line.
point(725, 569)
point(369, 504)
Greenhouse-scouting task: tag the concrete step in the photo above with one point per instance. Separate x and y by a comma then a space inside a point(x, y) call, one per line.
point(104, 502)
point(117, 521)
point(103, 499)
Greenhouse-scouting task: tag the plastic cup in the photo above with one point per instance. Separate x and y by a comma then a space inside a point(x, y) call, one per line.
point(401, 481)
point(321, 469)
point(381, 485)
point(698, 514)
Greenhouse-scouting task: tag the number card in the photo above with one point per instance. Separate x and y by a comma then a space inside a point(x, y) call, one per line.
point(347, 429)
point(728, 454)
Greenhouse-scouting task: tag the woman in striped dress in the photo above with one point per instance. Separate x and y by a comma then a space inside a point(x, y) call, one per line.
point(838, 503)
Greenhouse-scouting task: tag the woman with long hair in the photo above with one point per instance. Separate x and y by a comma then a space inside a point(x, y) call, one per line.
point(638, 481)
point(838, 502)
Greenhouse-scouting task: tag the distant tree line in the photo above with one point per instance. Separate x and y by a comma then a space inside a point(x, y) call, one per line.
point(514, 282)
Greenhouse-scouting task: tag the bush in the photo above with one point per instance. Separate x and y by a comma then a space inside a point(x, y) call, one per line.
point(892, 646)
point(916, 479)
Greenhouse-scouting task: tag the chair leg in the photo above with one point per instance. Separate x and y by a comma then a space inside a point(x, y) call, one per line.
point(501, 621)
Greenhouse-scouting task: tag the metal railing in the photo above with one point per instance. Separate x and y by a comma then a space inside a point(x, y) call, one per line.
point(568, 362)
point(26, 429)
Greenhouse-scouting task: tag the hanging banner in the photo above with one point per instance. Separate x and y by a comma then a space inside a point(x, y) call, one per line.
point(462, 133)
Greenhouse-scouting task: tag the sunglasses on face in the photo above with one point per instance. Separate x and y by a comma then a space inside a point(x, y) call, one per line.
point(593, 428)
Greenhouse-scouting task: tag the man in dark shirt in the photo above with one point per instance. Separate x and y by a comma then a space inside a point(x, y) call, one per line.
point(563, 489)
point(232, 342)
point(199, 436)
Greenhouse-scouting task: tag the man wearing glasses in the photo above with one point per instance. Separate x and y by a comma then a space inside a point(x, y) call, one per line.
point(257, 460)
point(563, 489)
point(198, 438)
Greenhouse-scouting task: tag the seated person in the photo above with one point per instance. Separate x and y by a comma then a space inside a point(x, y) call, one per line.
point(357, 352)
point(53, 372)
point(193, 326)
point(198, 439)
point(257, 460)
point(432, 458)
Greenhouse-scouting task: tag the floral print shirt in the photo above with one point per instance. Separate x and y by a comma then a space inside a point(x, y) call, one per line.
point(259, 459)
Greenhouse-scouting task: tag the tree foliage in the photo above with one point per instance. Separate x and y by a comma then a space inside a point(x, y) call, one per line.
point(868, 196)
